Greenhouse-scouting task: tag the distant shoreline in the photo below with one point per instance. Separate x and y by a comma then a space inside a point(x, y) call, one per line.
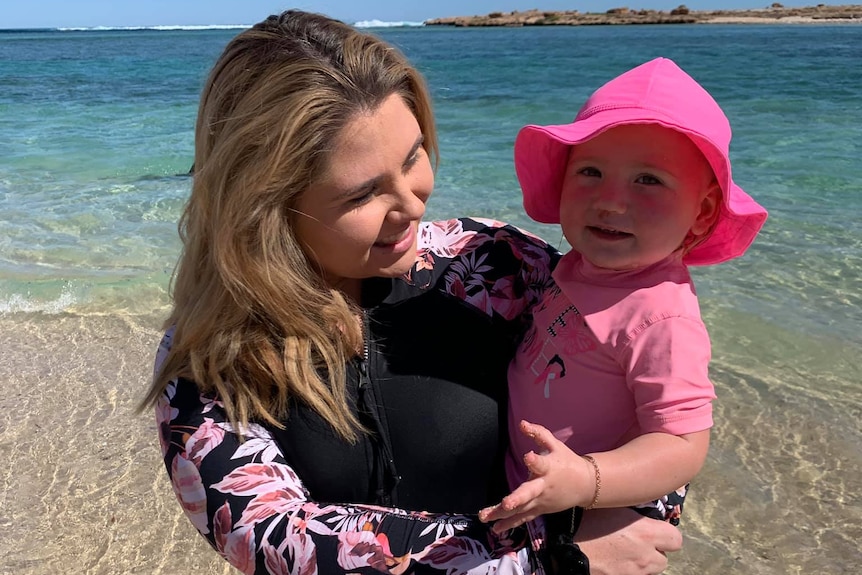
point(776, 14)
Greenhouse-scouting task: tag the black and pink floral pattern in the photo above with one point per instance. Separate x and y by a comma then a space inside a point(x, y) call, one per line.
point(251, 506)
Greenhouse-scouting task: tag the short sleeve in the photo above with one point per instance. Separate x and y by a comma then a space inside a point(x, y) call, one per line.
point(668, 374)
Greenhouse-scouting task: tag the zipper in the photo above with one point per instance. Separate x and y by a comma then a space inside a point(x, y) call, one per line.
point(364, 379)
point(387, 474)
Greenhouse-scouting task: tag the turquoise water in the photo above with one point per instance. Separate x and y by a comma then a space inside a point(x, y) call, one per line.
point(96, 134)
point(95, 126)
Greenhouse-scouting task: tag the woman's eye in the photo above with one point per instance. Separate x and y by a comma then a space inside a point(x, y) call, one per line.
point(361, 198)
point(411, 161)
point(590, 172)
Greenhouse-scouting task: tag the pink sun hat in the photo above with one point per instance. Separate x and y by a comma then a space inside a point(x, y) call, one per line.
point(657, 92)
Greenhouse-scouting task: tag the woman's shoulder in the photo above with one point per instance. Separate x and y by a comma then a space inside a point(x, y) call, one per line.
point(458, 226)
point(496, 267)
point(459, 237)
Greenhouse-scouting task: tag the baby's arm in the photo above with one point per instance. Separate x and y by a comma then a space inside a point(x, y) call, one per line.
point(644, 469)
point(649, 467)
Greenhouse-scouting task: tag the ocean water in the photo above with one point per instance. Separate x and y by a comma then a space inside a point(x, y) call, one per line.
point(96, 138)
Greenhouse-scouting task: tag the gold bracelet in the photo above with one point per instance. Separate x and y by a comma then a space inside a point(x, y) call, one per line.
point(598, 490)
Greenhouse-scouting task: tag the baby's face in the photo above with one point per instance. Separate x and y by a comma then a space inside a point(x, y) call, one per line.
point(632, 194)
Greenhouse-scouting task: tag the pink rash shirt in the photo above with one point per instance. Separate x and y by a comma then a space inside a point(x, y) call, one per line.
point(611, 355)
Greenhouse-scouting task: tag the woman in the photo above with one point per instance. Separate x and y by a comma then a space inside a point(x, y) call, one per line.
point(331, 362)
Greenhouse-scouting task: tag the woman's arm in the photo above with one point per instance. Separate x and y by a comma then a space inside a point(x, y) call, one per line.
point(254, 510)
point(624, 542)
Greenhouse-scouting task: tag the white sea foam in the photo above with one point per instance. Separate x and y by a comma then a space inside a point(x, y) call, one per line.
point(381, 24)
point(161, 28)
point(373, 23)
point(15, 303)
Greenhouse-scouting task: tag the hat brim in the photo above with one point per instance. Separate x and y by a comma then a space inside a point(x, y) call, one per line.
point(738, 223)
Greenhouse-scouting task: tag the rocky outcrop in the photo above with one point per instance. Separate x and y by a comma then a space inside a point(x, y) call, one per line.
point(680, 15)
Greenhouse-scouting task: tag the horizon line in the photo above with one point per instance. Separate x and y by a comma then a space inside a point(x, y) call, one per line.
point(370, 23)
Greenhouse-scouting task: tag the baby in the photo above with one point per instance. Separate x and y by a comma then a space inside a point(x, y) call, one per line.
point(615, 365)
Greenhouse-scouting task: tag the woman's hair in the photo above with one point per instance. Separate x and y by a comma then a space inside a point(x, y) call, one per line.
point(254, 322)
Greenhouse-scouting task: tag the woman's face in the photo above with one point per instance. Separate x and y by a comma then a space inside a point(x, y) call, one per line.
point(360, 219)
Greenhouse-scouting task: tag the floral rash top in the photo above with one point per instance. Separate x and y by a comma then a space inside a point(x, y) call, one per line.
point(249, 502)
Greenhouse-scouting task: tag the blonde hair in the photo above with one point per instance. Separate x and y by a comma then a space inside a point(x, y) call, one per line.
point(254, 322)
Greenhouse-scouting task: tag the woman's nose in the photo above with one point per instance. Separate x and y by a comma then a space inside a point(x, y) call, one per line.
point(411, 200)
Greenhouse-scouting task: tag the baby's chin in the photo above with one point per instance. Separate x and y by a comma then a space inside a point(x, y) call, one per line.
point(623, 264)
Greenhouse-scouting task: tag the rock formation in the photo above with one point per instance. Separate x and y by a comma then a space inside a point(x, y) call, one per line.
point(681, 15)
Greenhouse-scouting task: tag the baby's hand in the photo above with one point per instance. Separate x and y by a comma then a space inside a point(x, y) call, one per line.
point(559, 479)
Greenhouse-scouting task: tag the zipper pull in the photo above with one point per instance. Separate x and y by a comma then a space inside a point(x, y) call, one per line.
point(364, 380)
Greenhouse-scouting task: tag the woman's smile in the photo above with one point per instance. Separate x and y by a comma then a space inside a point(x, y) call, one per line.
point(399, 242)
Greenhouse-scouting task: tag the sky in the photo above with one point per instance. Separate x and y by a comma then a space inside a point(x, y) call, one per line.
point(90, 13)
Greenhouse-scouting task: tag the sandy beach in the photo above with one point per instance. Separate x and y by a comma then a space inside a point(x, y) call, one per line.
point(84, 491)
point(782, 20)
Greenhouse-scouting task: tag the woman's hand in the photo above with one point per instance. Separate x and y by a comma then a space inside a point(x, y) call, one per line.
point(621, 541)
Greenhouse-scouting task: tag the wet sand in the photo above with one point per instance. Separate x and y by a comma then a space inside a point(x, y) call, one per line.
point(84, 490)
point(781, 491)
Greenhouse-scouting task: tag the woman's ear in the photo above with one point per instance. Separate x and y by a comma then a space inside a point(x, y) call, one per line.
point(709, 208)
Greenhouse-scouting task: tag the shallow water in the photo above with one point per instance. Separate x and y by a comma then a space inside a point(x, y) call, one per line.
point(84, 490)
